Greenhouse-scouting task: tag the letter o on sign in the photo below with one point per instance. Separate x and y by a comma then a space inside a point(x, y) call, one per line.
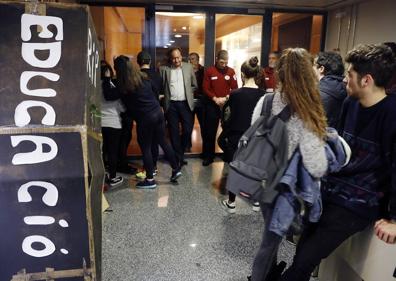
point(27, 243)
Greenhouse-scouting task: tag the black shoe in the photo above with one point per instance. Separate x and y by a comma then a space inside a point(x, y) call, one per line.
point(183, 162)
point(207, 162)
point(276, 271)
point(175, 175)
point(249, 278)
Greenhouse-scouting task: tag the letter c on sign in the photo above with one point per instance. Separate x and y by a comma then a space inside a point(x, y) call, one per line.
point(50, 197)
point(22, 117)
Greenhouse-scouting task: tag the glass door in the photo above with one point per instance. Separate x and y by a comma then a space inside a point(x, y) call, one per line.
point(183, 30)
point(240, 35)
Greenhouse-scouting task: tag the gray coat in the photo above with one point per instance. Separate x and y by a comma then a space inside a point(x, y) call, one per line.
point(190, 84)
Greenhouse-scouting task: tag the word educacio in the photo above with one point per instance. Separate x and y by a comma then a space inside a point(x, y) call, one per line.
point(22, 119)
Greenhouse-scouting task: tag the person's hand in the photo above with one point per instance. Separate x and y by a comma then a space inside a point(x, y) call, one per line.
point(222, 101)
point(216, 100)
point(386, 231)
point(107, 73)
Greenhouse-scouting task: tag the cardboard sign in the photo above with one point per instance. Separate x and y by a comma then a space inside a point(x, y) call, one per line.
point(51, 171)
point(43, 217)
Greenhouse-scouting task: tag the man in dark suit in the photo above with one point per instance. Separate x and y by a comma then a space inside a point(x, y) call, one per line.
point(179, 84)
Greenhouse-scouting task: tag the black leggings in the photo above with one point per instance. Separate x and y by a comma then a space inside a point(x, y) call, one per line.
point(152, 128)
point(111, 146)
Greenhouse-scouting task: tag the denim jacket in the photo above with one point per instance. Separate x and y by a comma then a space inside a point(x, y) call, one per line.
point(298, 182)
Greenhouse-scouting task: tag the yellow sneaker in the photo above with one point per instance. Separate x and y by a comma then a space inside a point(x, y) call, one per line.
point(141, 175)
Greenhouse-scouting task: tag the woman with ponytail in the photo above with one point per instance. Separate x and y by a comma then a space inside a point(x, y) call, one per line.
point(297, 88)
point(240, 108)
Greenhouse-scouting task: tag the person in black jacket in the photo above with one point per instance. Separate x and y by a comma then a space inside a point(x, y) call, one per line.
point(138, 97)
point(329, 69)
point(144, 61)
point(240, 107)
point(199, 97)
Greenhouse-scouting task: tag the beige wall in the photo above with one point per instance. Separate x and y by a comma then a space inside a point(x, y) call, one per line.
point(366, 22)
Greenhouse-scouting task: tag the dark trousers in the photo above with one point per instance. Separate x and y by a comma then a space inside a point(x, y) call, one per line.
point(150, 128)
point(125, 139)
point(319, 240)
point(212, 118)
point(179, 113)
point(199, 111)
point(155, 152)
point(266, 255)
point(111, 143)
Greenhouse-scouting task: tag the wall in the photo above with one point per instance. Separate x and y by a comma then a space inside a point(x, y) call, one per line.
point(119, 30)
point(366, 22)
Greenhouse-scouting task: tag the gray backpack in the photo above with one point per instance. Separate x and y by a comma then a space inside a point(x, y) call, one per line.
point(261, 158)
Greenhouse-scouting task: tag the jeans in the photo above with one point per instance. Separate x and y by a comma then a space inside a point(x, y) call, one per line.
point(268, 250)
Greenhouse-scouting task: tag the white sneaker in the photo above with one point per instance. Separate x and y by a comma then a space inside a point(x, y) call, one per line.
point(116, 181)
point(228, 206)
point(256, 206)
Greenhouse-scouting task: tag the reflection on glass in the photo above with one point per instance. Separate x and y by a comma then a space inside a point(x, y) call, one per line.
point(296, 30)
point(240, 35)
point(182, 30)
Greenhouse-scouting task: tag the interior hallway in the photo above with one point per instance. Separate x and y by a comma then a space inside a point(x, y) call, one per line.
point(180, 232)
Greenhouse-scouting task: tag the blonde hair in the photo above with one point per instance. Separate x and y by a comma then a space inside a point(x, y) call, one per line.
point(299, 88)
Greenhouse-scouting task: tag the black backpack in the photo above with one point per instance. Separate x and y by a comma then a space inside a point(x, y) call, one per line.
point(261, 158)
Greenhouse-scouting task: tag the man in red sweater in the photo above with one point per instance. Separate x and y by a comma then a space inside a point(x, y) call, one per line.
point(267, 76)
point(218, 82)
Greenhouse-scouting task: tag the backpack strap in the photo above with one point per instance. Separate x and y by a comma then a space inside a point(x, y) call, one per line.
point(285, 114)
point(267, 105)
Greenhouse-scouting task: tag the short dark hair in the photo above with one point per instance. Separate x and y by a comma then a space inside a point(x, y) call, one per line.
point(331, 62)
point(221, 55)
point(377, 60)
point(143, 58)
point(391, 45)
point(194, 54)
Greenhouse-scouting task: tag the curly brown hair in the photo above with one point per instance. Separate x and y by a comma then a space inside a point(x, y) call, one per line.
point(299, 88)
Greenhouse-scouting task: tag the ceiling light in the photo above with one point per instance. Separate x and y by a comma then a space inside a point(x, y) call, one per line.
point(178, 35)
point(171, 41)
point(198, 17)
point(173, 14)
point(184, 28)
point(166, 47)
point(168, 44)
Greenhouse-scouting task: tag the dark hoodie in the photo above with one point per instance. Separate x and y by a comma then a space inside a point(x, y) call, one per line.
point(333, 92)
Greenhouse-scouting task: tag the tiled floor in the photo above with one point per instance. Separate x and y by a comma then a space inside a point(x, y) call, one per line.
point(180, 232)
